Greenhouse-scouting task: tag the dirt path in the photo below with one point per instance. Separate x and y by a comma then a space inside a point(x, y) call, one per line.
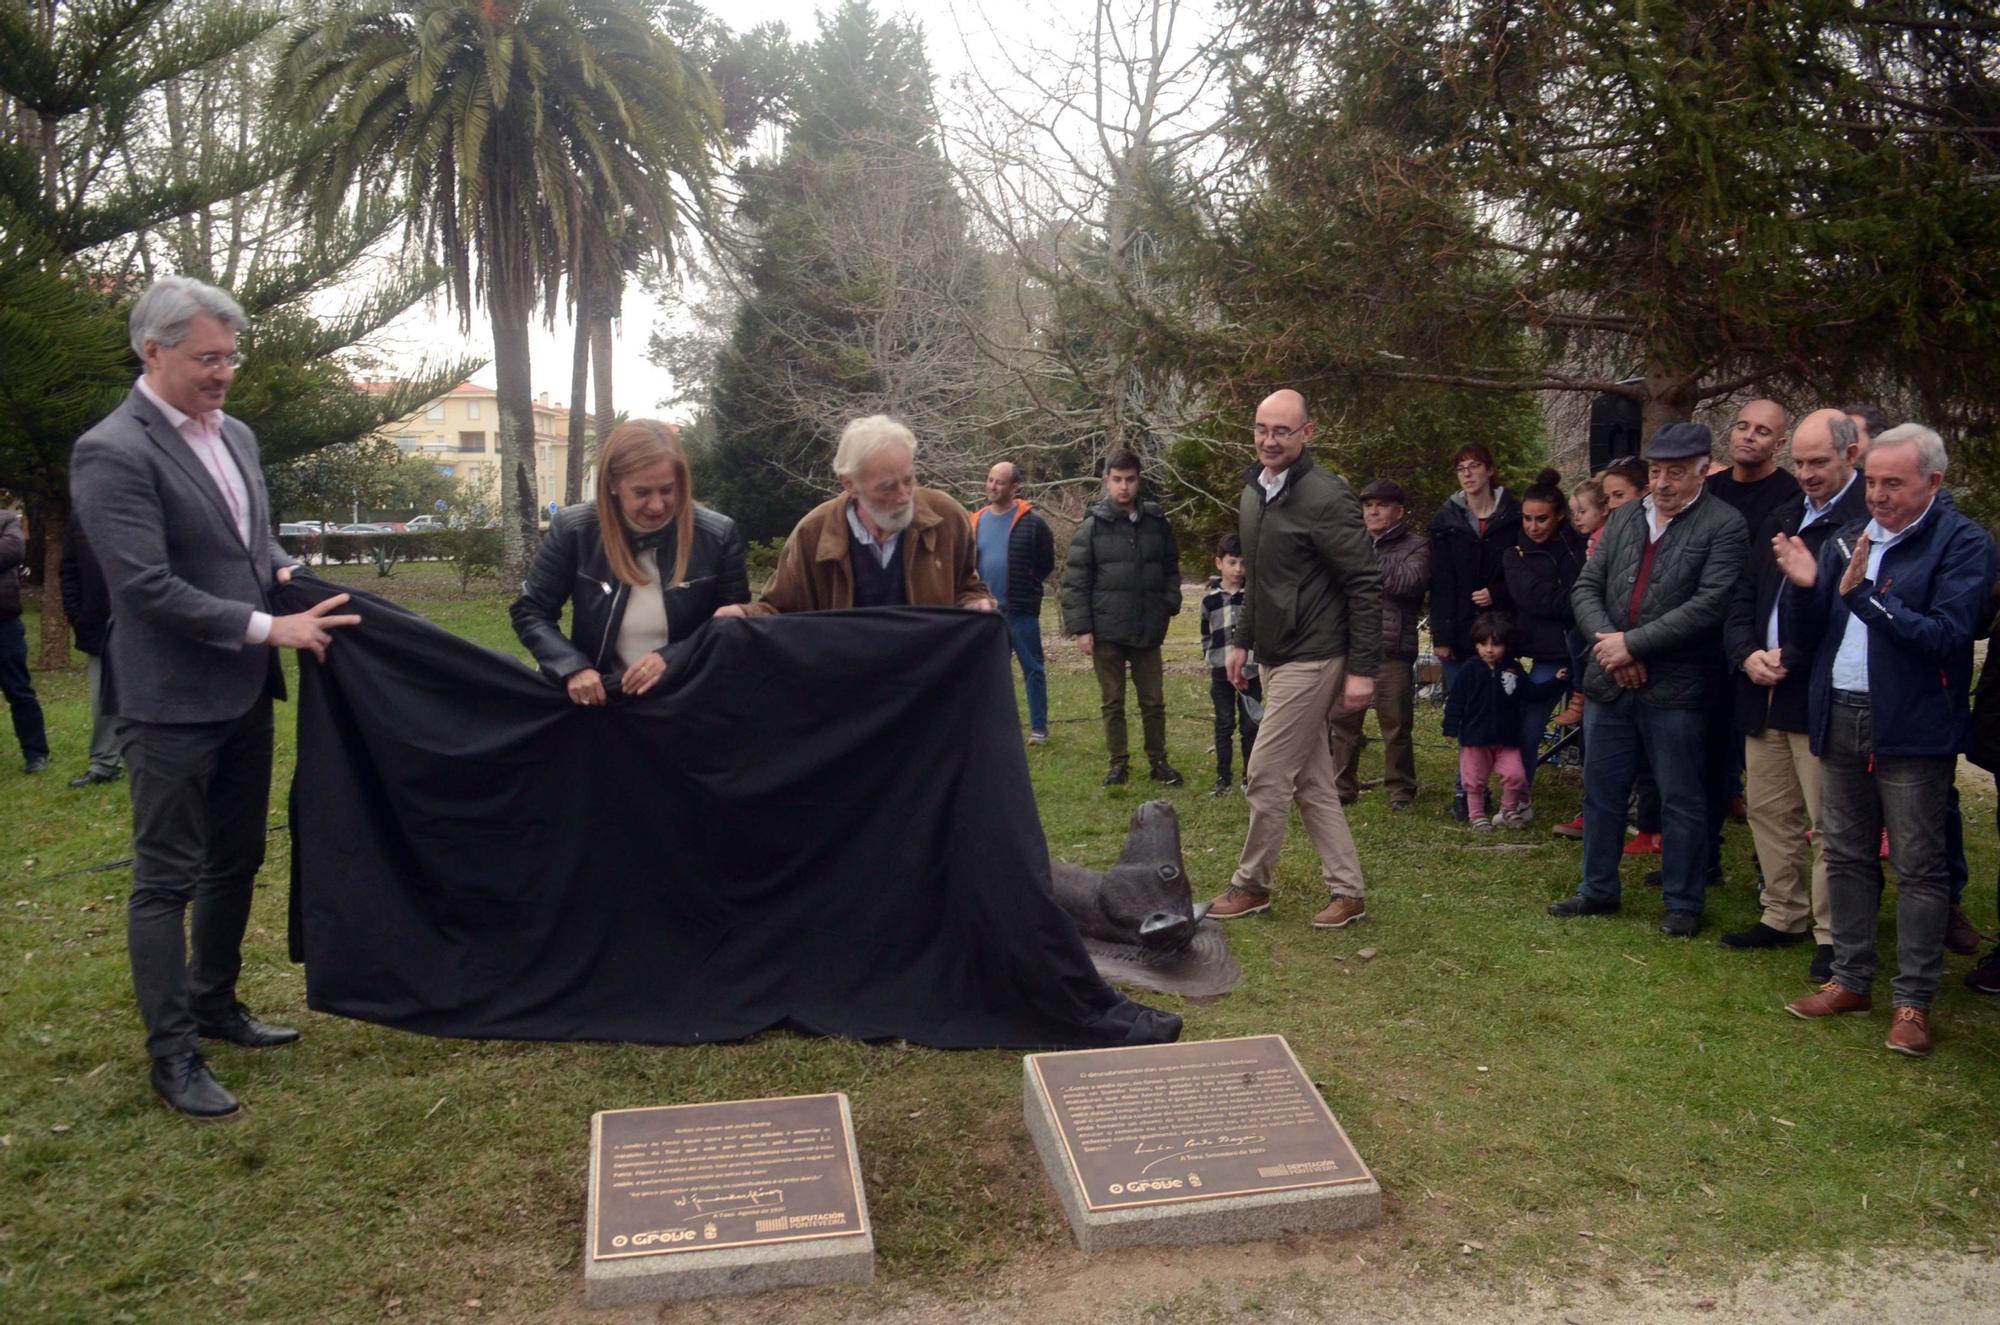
point(1327, 1281)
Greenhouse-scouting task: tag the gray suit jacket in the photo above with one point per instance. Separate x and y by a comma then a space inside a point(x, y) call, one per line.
point(182, 583)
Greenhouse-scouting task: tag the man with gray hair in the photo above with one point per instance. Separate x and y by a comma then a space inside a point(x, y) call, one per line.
point(170, 489)
point(1892, 606)
point(883, 542)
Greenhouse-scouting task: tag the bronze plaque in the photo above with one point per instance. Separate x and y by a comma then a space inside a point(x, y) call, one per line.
point(1160, 1123)
point(692, 1177)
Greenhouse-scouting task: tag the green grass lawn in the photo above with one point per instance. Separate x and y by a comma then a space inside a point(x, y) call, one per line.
point(1578, 1098)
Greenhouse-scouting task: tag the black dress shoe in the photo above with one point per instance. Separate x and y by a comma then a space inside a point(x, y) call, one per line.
point(1117, 776)
point(1165, 772)
point(245, 1031)
point(185, 1083)
point(1761, 935)
point(36, 764)
point(93, 777)
point(1583, 906)
point(1821, 969)
point(1681, 925)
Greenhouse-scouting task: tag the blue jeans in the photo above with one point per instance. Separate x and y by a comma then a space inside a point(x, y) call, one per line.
point(1621, 737)
point(20, 691)
point(1860, 793)
point(1026, 633)
point(1535, 717)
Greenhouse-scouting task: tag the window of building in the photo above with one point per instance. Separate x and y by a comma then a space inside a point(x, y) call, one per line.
point(435, 412)
point(471, 409)
point(472, 441)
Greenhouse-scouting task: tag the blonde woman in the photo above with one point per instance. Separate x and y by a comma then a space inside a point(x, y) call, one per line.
point(643, 567)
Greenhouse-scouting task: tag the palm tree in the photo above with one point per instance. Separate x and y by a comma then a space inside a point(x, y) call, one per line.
point(489, 116)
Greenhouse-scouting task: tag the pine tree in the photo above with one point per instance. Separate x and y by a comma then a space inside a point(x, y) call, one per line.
point(1676, 202)
point(854, 292)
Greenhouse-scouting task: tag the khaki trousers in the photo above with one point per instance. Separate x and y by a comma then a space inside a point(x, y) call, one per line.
point(1293, 763)
point(1781, 794)
point(1395, 712)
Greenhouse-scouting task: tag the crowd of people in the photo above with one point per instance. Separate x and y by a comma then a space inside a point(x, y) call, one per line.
point(1797, 643)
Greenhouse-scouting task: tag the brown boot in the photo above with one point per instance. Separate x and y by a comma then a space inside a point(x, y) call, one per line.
point(1910, 1032)
point(1340, 913)
point(1235, 903)
point(1572, 713)
point(1832, 1000)
point(1959, 935)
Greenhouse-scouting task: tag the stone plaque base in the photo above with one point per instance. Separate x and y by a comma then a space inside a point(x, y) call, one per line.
point(728, 1271)
point(750, 1266)
point(1238, 1217)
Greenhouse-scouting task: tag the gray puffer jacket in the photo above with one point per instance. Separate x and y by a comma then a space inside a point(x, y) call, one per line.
point(1678, 632)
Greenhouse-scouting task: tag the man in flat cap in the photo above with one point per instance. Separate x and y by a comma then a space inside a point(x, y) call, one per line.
point(1651, 604)
point(1405, 560)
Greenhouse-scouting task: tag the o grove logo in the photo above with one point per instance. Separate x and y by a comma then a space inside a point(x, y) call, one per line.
point(1147, 1185)
point(654, 1237)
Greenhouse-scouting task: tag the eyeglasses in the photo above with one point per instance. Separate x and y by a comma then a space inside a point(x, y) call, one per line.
point(1469, 467)
point(214, 360)
point(1278, 434)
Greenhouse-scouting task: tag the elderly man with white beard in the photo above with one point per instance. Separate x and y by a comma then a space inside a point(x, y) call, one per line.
point(883, 542)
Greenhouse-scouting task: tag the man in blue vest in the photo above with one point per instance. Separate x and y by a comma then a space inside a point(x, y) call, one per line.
point(1016, 554)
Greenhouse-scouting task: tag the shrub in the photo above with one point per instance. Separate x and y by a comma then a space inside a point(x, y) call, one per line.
point(761, 561)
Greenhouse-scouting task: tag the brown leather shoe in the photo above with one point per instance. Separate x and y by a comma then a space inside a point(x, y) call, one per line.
point(1235, 903)
point(1832, 1000)
point(1910, 1032)
point(1340, 913)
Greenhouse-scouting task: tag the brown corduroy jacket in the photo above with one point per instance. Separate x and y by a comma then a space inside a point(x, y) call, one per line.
point(940, 562)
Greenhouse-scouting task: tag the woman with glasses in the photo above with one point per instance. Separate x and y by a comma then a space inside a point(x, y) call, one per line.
point(1469, 536)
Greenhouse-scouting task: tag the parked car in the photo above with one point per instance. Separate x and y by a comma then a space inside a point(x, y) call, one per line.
point(424, 524)
point(364, 529)
point(299, 529)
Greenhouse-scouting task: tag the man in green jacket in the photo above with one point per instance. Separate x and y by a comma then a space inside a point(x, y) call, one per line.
point(1313, 616)
point(1122, 582)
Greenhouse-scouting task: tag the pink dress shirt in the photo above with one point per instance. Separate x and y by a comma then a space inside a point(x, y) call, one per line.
point(203, 435)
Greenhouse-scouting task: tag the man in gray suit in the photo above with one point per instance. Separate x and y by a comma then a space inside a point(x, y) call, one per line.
point(170, 489)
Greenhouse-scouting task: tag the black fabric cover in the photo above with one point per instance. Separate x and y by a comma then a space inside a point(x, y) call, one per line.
point(822, 822)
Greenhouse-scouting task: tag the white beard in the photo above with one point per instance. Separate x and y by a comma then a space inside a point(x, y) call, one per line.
point(892, 521)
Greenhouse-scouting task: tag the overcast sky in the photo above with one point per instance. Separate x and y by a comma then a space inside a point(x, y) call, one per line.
point(638, 386)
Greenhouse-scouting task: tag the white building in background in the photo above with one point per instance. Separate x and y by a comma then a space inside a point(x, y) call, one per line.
point(459, 432)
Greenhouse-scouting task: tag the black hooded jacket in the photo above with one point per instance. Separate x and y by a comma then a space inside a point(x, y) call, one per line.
point(1539, 579)
point(1463, 560)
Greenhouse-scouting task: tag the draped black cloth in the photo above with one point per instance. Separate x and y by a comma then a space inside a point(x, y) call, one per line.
point(821, 822)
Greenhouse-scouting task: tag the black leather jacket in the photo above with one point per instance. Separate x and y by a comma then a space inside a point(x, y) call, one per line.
point(570, 564)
